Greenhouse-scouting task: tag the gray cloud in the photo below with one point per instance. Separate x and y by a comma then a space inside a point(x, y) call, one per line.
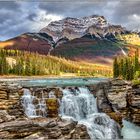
point(74, 9)
point(9, 5)
point(17, 17)
point(32, 16)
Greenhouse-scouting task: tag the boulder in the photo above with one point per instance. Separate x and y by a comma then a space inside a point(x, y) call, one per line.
point(80, 132)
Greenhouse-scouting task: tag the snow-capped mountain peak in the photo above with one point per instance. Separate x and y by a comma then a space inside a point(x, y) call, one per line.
point(77, 27)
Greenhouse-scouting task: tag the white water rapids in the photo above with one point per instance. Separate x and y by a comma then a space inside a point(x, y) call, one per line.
point(80, 105)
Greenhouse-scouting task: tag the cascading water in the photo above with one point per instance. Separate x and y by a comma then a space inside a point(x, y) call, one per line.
point(32, 109)
point(80, 105)
point(77, 104)
point(27, 103)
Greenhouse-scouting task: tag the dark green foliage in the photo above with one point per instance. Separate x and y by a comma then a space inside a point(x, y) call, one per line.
point(115, 68)
point(136, 61)
point(137, 75)
point(128, 66)
point(4, 67)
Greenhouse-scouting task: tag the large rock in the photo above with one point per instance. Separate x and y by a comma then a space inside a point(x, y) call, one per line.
point(5, 117)
point(10, 95)
point(119, 99)
point(18, 129)
point(80, 132)
point(52, 107)
point(134, 104)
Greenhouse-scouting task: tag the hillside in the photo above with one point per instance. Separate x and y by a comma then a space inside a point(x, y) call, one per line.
point(89, 50)
point(132, 38)
point(32, 42)
point(24, 63)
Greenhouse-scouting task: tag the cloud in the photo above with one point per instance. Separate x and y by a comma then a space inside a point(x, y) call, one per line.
point(9, 5)
point(17, 17)
point(26, 18)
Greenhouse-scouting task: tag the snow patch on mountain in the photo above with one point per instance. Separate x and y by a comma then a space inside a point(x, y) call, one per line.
point(77, 27)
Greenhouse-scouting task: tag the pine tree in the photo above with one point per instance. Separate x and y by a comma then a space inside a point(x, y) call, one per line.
point(28, 70)
point(136, 60)
point(115, 68)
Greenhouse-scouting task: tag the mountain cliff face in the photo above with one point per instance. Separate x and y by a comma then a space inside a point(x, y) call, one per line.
point(72, 28)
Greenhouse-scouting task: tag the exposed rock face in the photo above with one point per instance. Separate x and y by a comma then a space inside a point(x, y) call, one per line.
point(134, 103)
point(42, 128)
point(5, 117)
point(10, 99)
point(52, 107)
point(18, 129)
point(72, 28)
point(119, 99)
point(80, 132)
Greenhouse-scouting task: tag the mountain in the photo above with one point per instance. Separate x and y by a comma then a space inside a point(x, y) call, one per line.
point(34, 42)
point(72, 28)
point(89, 39)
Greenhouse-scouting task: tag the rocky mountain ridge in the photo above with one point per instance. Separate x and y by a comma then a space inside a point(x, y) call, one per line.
point(72, 28)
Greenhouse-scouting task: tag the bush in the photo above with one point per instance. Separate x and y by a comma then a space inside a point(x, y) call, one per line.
point(135, 82)
point(137, 75)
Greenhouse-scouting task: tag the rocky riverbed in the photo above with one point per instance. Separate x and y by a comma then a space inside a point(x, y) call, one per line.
point(117, 98)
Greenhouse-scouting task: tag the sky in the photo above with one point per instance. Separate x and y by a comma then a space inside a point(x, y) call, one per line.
point(20, 16)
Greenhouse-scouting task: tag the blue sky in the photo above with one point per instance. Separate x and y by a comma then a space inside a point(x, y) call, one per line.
point(17, 17)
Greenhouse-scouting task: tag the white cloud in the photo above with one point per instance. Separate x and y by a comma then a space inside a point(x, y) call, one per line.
point(135, 17)
point(42, 19)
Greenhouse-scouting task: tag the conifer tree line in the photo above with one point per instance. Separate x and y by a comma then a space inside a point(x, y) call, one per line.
point(25, 63)
point(126, 67)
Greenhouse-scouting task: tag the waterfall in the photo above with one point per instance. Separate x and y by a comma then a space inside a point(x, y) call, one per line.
point(77, 104)
point(33, 106)
point(27, 103)
point(80, 105)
